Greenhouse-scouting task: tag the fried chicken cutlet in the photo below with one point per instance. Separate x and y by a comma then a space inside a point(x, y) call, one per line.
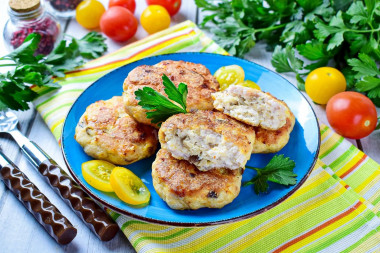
point(208, 140)
point(182, 186)
point(107, 132)
point(198, 78)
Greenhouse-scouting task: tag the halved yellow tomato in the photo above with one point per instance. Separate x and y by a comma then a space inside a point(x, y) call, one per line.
point(97, 174)
point(129, 187)
point(250, 84)
point(229, 75)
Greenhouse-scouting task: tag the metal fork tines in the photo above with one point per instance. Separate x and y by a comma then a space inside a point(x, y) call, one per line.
point(8, 121)
point(8, 124)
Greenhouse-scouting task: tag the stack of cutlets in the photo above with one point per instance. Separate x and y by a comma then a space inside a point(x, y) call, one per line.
point(202, 159)
point(203, 152)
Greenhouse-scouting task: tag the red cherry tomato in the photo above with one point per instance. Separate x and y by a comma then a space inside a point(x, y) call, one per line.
point(118, 23)
point(351, 114)
point(172, 6)
point(129, 4)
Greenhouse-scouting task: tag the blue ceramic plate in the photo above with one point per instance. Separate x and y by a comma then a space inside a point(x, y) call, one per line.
point(303, 147)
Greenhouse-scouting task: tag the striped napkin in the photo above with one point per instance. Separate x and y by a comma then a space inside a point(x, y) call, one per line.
point(337, 209)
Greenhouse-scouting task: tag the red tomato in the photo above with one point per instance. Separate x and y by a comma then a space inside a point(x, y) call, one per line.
point(118, 23)
point(351, 114)
point(172, 6)
point(129, 4)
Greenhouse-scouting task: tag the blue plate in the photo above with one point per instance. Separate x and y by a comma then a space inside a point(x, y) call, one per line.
point(302, 147)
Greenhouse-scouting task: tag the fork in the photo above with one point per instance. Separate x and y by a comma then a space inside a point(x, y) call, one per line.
point(90, 213)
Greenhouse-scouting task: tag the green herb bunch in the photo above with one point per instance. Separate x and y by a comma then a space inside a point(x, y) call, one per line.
point(344, 33)
point(30, 69)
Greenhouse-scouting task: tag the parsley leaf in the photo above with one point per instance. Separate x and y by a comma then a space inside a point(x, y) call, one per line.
point(358, 13)
point(284, 60)
point(367, 74)
point(314, 50)
point(365, 66)
point(178, 95)
point(92, 45)
point(162, 108)
point(279, 170)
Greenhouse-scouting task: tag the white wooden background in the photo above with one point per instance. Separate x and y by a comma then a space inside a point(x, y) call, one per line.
point(19, 232)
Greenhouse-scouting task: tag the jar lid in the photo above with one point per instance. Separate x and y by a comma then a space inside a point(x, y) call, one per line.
point(24, 5)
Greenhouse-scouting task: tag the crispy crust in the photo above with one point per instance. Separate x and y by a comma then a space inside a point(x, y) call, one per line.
point(272, 141)
point(107, 132)
point(183, 186)
point(199, 80)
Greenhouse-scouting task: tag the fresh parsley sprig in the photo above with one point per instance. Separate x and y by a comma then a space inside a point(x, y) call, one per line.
point(279, 170)
point(160, 107)
point(30, 69)
point(304, 35)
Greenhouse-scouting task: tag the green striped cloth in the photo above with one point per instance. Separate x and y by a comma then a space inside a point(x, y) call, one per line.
point(337, 209)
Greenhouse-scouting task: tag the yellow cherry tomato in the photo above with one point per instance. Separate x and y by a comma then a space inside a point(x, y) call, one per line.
point(97, 174)
point(250, 84)
point(129, 187)
point(229, 75)
point(323, 83)
point(89, 12)
point(155, 18)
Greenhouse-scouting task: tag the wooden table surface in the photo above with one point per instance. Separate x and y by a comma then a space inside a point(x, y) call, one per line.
point(18, 229)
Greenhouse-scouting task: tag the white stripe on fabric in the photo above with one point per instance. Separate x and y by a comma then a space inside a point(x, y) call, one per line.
point(338, 152)
point(355, 236)
point(151, 246)
point(328, 136)
point(372, 191)
point(136, 232)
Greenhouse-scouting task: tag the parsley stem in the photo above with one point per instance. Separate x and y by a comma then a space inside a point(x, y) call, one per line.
point(270, 28)
point(253, 168)
point(363, 31)
point(8, 65)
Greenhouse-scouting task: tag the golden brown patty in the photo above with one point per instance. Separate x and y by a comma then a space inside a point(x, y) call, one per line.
point(208, 139)
point(107, 132)
point(182, 186)
point(198, 78)
point(271, 141)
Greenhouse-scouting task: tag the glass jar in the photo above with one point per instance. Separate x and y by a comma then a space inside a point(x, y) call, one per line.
point(62, 8)
point(28, 17)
